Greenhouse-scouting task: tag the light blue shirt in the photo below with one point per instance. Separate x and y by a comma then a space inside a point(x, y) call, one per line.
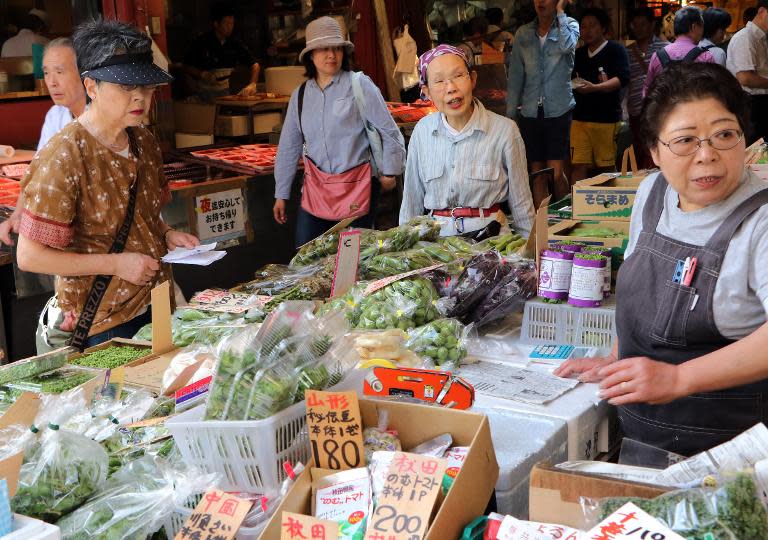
point(335, 135)
point(537, 71)
point(480, 166)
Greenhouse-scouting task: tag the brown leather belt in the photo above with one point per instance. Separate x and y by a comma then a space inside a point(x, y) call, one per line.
point(462, 212)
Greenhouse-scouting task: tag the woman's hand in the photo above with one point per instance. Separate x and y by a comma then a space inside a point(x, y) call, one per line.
point(388, 183)
point(641, 380)
point(10, 225)
point(136, 268)
point(279, 211)
point(588, 369)
point(174, 239)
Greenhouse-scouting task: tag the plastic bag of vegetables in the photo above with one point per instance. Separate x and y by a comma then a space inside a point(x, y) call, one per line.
point(61, 470)
point(481, 274)
point(136, 501)
point(731, 511)
point(208, 327)
point(404, 304)
point(258, 372)
point(510, 293)
point(441, 342)
point(399, 238)
point(392, 264)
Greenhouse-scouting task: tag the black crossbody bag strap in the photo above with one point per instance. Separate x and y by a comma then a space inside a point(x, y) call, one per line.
point(300, 105)
point(101, 282)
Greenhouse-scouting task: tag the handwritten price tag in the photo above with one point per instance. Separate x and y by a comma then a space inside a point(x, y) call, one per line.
point(224, 301)
point(218, 515)
point(335, 429)
point(630, 523)
point(406, 501)
point(297, 526)
point(347, 261)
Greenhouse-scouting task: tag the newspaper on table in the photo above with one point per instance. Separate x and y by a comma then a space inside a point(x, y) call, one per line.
point(519, 384)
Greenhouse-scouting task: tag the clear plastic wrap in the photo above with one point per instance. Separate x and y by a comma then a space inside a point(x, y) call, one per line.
point(260, 373)
point(24, 369)
point(135, 501)
point(54, 382)
point(130, 443)
point(509, 294)
point(441, 342)
point(62, 469)
point(480, 276)
point(276, 278)
point(392, 264)
point(108, 414)
point(389, 345)
point(378, 439)
point(191, 355)
point(508, 243)
point(459, 246)
point(731, 511)
point(205, 327)
point(404, 304)
point(322, 246)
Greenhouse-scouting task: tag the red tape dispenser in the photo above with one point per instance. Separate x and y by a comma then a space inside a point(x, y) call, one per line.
point(439, 387)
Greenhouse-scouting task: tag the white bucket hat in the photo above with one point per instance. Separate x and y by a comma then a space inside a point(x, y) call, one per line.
point(325, 32)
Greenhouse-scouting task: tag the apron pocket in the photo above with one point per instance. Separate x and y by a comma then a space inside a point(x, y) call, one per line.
point(671, 321)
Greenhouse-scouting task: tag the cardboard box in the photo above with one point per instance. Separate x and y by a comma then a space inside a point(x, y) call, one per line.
point(236, 126)
point(416, 424)
point(605, 197)
point(560, 232)
point(191, 140)
point(118, 342)
point(194, 117)
point(555, 495)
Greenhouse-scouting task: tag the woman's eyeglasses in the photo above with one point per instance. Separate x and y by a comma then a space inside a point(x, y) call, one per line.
point(143, 87)
point(442, 84)
point(688, 144)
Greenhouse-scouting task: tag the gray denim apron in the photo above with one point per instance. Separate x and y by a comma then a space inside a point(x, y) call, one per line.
point(673, 323)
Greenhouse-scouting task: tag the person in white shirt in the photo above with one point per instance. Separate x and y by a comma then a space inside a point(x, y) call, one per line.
point(748, 59)
point(63, 81)
point(34, 23)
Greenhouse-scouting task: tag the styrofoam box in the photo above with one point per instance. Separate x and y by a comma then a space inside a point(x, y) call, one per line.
point(521, 440)
point(590, 420)
point(27, 528)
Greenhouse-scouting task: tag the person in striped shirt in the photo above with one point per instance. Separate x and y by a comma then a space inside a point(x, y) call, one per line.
point(465, 163)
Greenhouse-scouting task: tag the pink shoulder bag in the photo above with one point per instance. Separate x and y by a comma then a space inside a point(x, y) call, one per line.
point(334, 196)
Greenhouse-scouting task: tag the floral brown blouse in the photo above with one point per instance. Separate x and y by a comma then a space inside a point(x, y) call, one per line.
point(75, 198)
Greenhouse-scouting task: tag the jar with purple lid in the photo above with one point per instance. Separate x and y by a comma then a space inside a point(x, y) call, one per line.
point(555, 274)
point(605, 252)
point(587, 280)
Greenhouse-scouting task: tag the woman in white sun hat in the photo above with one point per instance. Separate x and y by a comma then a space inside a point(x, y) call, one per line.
point(338, 121)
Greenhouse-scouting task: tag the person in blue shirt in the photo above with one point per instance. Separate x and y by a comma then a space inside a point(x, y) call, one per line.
point(539, 94)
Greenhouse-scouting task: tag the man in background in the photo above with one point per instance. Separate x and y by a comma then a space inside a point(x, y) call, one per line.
point(602, 70)
point(214, 55)
point(32, 26)
point(642, 25)
point(689, 29)
point(716, 23)
point(748, 60)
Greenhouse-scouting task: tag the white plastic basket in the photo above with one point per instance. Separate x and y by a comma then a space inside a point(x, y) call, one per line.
point(249, 454)
point(564, 324)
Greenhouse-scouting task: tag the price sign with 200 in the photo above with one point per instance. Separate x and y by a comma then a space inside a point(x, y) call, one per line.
point(388, 519)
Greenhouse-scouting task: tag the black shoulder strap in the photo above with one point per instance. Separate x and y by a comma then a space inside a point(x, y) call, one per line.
point(692, 55)
point(101, 282)
point(705, 49)
point(663, 57)
point(654, 204)
point(300, 104)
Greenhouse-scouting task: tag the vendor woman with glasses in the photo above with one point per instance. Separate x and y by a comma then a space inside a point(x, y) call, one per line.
point(92, 196)
point(689, 369)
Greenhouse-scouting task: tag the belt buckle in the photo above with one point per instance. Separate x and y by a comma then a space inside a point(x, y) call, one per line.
point(454, 209)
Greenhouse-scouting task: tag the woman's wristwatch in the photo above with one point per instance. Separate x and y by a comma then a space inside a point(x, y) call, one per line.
point(165, 234)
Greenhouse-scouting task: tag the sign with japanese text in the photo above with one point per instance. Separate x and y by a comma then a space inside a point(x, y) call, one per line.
point(224, 301)
point(515, 529)
point(631, 523)
point(220, 216)
point(406, 501)
point(347, 260)
point(217, 517)
point(300, 527)
point(335, 429)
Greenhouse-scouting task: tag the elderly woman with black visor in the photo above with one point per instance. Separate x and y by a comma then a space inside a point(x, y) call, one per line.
point(93, 195)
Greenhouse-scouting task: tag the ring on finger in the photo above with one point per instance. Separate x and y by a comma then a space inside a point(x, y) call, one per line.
point(624, 386)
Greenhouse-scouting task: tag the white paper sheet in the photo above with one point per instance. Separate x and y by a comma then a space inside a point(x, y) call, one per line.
point(202, 255)
point(515, 383)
